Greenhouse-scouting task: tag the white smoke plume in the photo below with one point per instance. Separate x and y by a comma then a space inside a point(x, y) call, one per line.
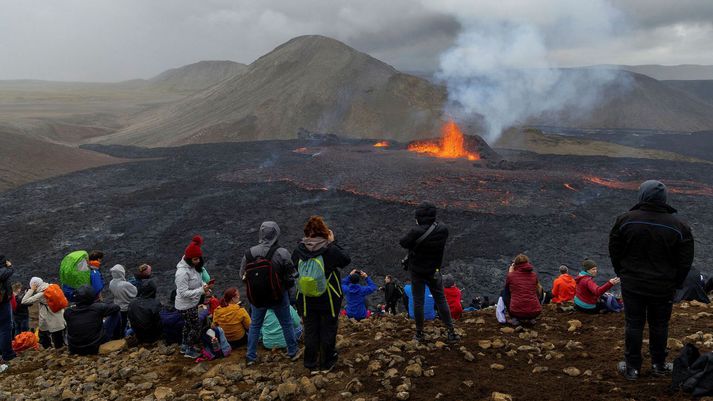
point(503, 66)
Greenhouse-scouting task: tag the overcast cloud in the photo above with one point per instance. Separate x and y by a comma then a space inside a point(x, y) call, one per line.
point(111, 40)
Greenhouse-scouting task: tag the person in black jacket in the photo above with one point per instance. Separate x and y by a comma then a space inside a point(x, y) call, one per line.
point(424, 262)
point(145, 313)
point(651, 250)
point(320, 314)
point(393, 293)
point(693, 289)
point(86, 328)
point(6, 272)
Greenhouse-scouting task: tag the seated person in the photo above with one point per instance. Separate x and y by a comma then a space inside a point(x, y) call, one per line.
point(522, 286)
point(232, 318)
point(145, 313)
point(564, 287)
point(453, 296)
point(142, 273)
point(429, 305)
point(272, 336)
point(693, 288)
point(588, 296)
point(356, 294)
point(90, 323)
point(171, 322)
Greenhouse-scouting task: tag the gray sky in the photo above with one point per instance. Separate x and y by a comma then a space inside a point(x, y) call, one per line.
point(112, 40)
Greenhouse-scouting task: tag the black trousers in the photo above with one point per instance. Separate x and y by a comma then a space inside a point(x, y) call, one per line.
point(320, 337)
point(391, 306)
point(418, 292)
point(47, 339)
point(638, 310)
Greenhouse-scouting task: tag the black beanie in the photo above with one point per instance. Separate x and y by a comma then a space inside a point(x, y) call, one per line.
point(426, 213)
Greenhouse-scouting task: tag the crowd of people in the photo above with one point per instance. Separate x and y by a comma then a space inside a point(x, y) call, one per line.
point(297, 296)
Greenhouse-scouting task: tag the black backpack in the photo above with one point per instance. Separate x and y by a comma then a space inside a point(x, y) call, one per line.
point(263, 281)
point(693, 372)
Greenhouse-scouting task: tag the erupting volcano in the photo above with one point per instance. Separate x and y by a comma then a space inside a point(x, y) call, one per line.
point(451, 145)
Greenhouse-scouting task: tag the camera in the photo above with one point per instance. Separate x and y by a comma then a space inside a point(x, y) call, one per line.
point(404, 263)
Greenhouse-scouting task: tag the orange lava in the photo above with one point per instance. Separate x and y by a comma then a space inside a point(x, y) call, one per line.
point(571, 188)
point(300, 150)
point(450, 146)
point(382, 144)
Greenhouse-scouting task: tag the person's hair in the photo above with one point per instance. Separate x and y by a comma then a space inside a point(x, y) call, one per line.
point(144, 267)
point(354, 278)
point(316, 227)
point(564, 269)
point(96, 255)
point(520, 259)
point(228, 296)
point(16, 286)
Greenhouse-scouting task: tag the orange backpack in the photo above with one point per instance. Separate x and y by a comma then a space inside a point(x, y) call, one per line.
point(25, 341)
point(55, 298)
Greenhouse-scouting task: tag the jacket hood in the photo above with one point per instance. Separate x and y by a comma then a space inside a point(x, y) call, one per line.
point(147, 289)
point(567, 278)
point(426, 213)
point(654, 207)
point(118, 272)
point(582, 276)
point(182, 264)
point(85, 295)
point(315, 244)
point(653, 191)
point(269, 233)
point(525, 267)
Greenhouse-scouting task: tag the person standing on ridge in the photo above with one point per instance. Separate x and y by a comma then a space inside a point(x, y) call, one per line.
point(426, 243)
point(6, 272)
point(651, 250)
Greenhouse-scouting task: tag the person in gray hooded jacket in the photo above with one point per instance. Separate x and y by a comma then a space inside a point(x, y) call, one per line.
point(269, 235)
point(124, 292)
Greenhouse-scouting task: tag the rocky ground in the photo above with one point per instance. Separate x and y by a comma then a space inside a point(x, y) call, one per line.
point(564, 356)
point(146, 209)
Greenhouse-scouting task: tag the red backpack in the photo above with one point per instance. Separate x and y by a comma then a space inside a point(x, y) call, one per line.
point(55, 298)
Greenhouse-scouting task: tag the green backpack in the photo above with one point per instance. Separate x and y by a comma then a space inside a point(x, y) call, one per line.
point(312, 281)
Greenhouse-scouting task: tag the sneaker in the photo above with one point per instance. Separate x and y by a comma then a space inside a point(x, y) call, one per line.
point(191, 353)
point(628, 372)
point(183, 349)
point(662, 369)
point(250, 362)
point(4, 367)
point(297, 355)
point(329, 369)
point(314, 372)
point(452, 337)
point(419, 336)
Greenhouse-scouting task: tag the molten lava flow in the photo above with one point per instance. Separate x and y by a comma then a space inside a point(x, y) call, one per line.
point(300, 150)
point(451, 145)
point(382, 144)
point(570, 187)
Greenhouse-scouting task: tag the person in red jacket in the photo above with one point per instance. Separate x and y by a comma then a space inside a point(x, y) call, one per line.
point(522, 284)
point(564, 287)
point(588, 292)
point(453, 296)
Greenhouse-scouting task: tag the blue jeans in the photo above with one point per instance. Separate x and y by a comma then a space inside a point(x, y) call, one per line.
point(111, 325)
point(6, 331)
point(282, 313)
point(223, 345)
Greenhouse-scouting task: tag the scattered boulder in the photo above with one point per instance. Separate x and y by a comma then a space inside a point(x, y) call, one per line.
point(402, 395)
point(497, 366)
point(495, 396)
point(414, 370)
point(574, 325)
point(572, 371)
point(112, 346)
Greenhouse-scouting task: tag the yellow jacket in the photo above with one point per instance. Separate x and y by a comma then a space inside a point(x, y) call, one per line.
point(233, 319)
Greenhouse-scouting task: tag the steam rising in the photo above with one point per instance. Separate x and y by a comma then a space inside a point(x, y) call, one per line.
point(503, 67)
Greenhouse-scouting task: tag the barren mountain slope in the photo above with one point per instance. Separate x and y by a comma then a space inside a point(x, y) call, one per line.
point(311, 82)
point(197, 76)
point(702, 89)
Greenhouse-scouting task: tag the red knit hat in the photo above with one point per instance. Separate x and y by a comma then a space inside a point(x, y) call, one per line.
point(193, 250)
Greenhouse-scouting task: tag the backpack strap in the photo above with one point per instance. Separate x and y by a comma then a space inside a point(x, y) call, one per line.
point(250, 258)
point(425, 235)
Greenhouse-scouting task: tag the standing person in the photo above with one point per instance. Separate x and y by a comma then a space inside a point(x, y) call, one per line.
point(124, 292)
point(319, 297)
point(90, 322)
point(6, 272)
point(189, 289)
point(453, 296)
point(356, 294)
point(393, 293)
point(51, 324)
point(144, 313)
point(522, 285)
point(588, 297)
point(426, 243)
point(21, 314)
point(232, 318)
point(651, 250)
point(564, 287)
point(270, 262)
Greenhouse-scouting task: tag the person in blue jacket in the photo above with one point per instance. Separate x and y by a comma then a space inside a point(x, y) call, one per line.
point(429, 306)
point(356, 293)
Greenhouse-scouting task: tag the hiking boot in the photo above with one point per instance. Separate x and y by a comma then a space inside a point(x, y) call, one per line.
point(628, 372)
point(191, 353)
point(419, 336)
point(329, 369)
point(4, 367)
point(250, 362)
point(662, 369)
point(452, 337)
point(297, 355)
